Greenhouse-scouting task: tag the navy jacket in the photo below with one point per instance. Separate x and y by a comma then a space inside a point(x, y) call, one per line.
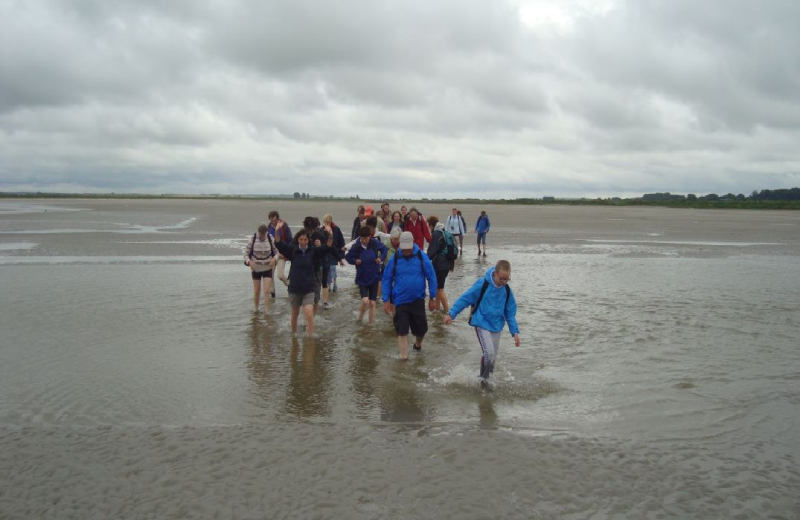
point(302, 272)
point(369, 271)
point(336, 254)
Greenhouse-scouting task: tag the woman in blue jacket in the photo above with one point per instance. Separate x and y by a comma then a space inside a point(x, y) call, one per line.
point(494, 305)
point(481, 228)
point(368, 255)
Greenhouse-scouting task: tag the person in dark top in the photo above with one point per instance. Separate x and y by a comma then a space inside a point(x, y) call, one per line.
point(362, 214)
point(442, 266)
point(302, 274)
point(396, 221)
point(335, 256)
point(368, 255)
point(315, 232)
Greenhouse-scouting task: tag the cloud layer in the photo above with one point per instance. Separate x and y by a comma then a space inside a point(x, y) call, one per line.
point(453, 98)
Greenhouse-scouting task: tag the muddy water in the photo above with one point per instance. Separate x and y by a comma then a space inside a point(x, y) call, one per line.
point(658, 378)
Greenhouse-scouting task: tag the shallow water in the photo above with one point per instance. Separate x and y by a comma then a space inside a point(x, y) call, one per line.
point(659, 375)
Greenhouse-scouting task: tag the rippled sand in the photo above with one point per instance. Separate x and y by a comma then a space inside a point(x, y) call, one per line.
point(658, 376)
point(334, 471)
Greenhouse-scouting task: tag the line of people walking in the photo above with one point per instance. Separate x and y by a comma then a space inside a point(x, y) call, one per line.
point(388, 251)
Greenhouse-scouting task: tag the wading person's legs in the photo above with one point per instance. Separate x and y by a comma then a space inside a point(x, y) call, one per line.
point(308, 310)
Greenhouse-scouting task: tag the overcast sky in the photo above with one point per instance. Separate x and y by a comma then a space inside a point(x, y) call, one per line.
point(458, 98)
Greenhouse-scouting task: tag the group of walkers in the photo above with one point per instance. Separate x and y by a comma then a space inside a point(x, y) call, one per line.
point(388, 251)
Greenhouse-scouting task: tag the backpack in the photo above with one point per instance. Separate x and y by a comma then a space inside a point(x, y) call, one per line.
point(480, 298)
point(450, 246)
point(253, 246)
point(394, 272)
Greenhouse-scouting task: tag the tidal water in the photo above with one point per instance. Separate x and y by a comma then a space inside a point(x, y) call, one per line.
point(659, 374)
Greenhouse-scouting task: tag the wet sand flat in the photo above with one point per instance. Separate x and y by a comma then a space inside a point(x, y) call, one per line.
point(657, 378)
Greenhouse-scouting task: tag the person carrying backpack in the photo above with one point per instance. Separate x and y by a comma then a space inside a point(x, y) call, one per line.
point(493, 305)
point(456, 226)
point(260, 256)
point(481, 228)
point(443, 252)
point(404, 281)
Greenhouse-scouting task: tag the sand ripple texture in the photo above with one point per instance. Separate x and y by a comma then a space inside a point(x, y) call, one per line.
point(302, 471)
point(658, 376)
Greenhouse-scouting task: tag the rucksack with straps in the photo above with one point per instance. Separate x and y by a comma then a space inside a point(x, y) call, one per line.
point(480, 298)
point(394, 272)
point(450, 246)
point(253, 246)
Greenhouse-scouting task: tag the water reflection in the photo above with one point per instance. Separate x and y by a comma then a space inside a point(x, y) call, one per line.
point(363, 374)
point(400, 397)
point(488, 417)
point(261, 363)
point(310, 380)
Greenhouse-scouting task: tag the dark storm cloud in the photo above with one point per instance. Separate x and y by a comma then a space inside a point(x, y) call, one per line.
point(399, 98)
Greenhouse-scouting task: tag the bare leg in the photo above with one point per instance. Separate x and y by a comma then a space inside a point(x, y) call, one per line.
point(324, 296)
point(280, 268)
point(441, 299)
point(267, 288)
point(256, 293)
point(371, 312)
point(295, 314)
point(402, 343)
point(418, 342)
point(308, 310)
point(362, 309)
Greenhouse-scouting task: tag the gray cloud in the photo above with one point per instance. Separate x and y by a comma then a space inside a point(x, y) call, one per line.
point(454, 98)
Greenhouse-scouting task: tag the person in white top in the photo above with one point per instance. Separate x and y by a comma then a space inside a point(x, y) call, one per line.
point(260, 256)
point(455, 225)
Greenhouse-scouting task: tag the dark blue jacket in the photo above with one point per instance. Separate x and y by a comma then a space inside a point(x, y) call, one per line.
point(336, 254)
point(302, 272)
point(369, 271)
point(408, 284)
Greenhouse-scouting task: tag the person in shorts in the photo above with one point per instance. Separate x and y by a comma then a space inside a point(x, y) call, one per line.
point(302, 274)
point(404, 280)
point(482, 227)
point(368, 255)
point(260, 256)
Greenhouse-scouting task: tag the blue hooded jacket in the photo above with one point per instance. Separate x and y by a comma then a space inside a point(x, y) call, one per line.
point(409, 282)
point(483, 224)
point(368, 272)
point(493, 312)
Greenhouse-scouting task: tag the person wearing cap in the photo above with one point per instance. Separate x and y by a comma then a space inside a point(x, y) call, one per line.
point(404, 280)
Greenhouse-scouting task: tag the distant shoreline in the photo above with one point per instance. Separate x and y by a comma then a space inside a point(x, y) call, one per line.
point(615, 202)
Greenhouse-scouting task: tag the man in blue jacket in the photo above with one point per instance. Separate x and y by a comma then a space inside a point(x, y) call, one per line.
point(493, 305)
point(481, 228)
point(404, 292)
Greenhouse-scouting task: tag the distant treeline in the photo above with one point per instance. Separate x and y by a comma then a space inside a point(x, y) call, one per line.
point(764, 199)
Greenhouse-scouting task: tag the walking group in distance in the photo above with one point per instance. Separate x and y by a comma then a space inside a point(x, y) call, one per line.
point(388, 251)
